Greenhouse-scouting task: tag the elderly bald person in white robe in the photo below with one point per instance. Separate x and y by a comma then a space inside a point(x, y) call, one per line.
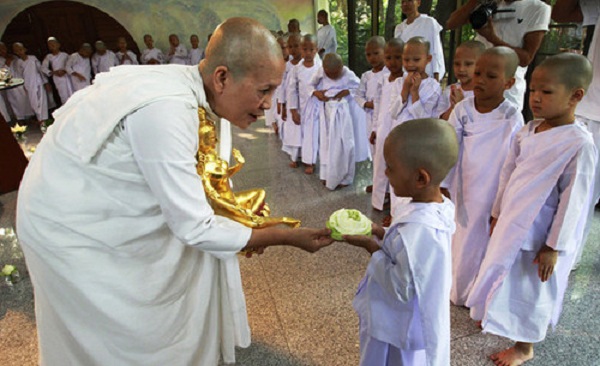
point(129, 263)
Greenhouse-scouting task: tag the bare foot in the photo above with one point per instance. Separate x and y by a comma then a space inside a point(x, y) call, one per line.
point(513, 356)
point(478, 323)
point(309, 169)
point(293, 164)
point(369, 189)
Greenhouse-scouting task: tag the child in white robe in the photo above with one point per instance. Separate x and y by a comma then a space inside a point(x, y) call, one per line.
point(465, 57)
point(55, 66)
point(195, 52)
point(35, 83)
point(125, 56)
point(341, 122)
point(178, 54)
point(273, 114)
point(291, 132)
point(16, 97)
point(421, 25)
point(4, 103)
point(420, 93)
point(391, 84)
point(299, 91)
point(103, 59)
point(80, 68)
point(402, 302)
point(538, 216)
point(485, 127)
point(368, 92)
point(151, 55)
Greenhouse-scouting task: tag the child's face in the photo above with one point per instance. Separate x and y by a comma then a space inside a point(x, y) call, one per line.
point(334, 73)
point(294, 48)
point(393, 59)
point(194, 41)
point(374, 56)
point(397, 172)
point(415, 58)
point(309, 50)
point(19, 50)
point(174, 41)
point(464, 64)
point(122, 45)
point(85, 52)
point(489, 78)
point(149, 42)
point(53, 46)
point(548, 97)
point(284, 48)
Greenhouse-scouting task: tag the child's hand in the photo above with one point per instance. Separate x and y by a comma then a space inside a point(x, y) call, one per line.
point(284, 114)
point(341, 94)
point(445, 192)
point(320, 95)
point(546, 260)
point(362, 241)
point(368, 105)
point(295, 116)
point(416, 82)
point(372, 138)
point(456, 95)
point(278, 108)
point(406, 85)
point(493, 222)
point(378, 231)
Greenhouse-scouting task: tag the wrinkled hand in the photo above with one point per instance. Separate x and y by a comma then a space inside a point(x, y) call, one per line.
point(372, 138)
point(546, 260)
point(311, 240)
point(296, 116)
point(369, 105)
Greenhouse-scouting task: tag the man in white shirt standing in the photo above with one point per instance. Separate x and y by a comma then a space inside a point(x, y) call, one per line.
point(129, 263)
point(326, 36)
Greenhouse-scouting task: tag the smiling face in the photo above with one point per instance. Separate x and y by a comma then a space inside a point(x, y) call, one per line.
point(393, 59)
point(490, 79)
point(548, 97)
point(415, 58)
point(464, 65)
point(244, 99)
point(374, 55)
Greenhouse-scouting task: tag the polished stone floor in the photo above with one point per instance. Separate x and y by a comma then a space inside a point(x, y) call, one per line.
point(299, 304)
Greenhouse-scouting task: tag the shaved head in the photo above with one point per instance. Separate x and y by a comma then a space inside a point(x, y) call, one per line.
point(427, 143)
point(572, 70)
point(476, 46)
point(511, 60)
point(420, 41)
point(238, 44)
point(395, 43)
point(309, 38)
point(332, 61)
point(376, 41)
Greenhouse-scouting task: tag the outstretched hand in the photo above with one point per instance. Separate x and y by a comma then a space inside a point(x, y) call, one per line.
point(362, 241)
point(546, 260)
point(310, 240)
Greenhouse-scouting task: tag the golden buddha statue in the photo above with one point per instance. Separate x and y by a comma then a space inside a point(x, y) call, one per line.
point(246, 207)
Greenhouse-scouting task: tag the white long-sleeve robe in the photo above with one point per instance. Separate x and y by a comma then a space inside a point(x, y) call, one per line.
point(63, 83)
point(327, 39)
point(425, 107)
point(132, 60)
point(369, 90)
point(196, 55)
point(180, 56)
point(17, 97)
point(403, 299)
point(292, 133)
point(390, 93)
point(428, 28)
point(81, 65)
point(543, 198)
point(149, 54)
point(103, 63)
point(484, 141)
point(129, 263)
point(4, 104)
point(444, 101)
point(34, 85)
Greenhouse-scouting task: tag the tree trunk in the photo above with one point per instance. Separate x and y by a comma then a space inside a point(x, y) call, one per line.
point(425, 7)
point(390, 20)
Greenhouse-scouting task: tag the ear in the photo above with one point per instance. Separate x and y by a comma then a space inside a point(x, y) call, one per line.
point(509, 83)
point(220, 78)
point(423, 178)
point(577, 95)
point(429, 58)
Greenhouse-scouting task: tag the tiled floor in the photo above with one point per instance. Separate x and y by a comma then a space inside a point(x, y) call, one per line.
point(299, 304)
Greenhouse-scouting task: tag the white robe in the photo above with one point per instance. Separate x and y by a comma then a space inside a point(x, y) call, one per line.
point(543, 197)
point(103, 63)
point(390, 92)
point(196, 55)
point(369, 90)
point(403, 298)
point(425, 107)
point(292, 133)
point(129, 263)
point(327, 39)
point(428, 28)
point(179, 57)
point(17, 97)
point(4, 104)
point(484, 141)
point(62, 83)
point(149, 54)
point(34, 85)
point(444, 101)
point(81, 65)
point(124, 61)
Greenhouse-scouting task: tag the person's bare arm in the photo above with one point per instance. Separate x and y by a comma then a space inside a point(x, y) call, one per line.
point(460, 16)
point(308, 239)
point(567, 11)
point(531, 43)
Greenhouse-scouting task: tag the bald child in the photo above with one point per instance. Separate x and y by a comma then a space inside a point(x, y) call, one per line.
point(402, 302)
point(538, 215)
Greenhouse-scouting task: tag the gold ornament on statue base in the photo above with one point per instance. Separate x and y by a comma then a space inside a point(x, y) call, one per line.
point(246, 207)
